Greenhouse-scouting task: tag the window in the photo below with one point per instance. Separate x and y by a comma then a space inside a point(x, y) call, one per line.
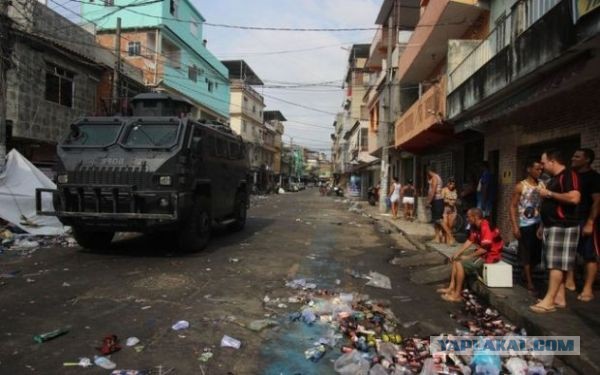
point(173, 5)
point(253, 108)
point(210, 86)
point(59, 85)
point(364, 139)
point(193, 73)
point(172, 54)
point(245, 99)
point(150, 43)
point(210, 145)
point(221, 148)
point(234, 150)
point(194, 27)
point(243, 126)
point(152, 135)
point(109, 3)
point(93, 135)
point(134, 48)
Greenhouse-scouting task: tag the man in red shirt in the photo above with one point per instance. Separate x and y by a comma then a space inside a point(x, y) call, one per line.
point(488, 248)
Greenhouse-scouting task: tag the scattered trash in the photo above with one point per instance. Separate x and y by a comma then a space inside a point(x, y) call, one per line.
point(259, 325)
point(352, 363)
point(43, 337)
point(83, 362)
point(206, 356)
point(300, 284)
point(145, 307)
point(379, 281)
point(110, 344)
point(410, 324)
point(282, 306)
point(230, 342)
point(30, 280)
point(130, 372)
point(66, 284)
point(234, 260)
point(105, 363)
point(314, 354)
point(132, 341)
point(9, 275)
point(139, 348)
point(181, 325)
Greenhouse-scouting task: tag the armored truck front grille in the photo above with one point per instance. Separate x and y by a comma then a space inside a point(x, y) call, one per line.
point(132, 176)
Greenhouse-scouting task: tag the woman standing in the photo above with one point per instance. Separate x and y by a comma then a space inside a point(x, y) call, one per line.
point(450, 196)
point(395, 197)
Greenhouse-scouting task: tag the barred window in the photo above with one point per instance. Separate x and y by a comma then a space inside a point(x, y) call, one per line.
point(59, 85)
point(134, 48)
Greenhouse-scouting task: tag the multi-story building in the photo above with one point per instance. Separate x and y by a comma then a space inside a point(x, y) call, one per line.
point(247, 119)
point(422, 132)
point(355, 118)
point(59, 74)
point(530, 83)
point(274, 122)
point(165, 40)
point(383, 99)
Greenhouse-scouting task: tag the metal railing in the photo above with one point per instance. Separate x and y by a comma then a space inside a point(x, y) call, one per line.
point(524, 14)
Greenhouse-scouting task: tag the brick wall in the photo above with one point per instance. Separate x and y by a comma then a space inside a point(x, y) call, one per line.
point(572, 116)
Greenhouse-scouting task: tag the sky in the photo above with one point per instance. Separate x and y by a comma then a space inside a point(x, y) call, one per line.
point(290, 56)
point(310, 56)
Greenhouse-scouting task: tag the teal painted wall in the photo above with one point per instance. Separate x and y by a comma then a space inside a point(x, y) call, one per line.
point(193, 52)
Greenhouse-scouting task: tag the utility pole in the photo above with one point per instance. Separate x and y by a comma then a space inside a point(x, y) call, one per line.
point(385, 125)
point(117, 73)
point(6, 45)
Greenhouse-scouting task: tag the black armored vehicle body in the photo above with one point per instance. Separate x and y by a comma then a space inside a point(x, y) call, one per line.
point(155, 170)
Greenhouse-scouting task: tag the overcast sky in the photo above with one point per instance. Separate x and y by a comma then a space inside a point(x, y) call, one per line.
point(308, 57)
point(324, 58)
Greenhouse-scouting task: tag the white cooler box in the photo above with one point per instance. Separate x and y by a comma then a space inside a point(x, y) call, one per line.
point(497, 275)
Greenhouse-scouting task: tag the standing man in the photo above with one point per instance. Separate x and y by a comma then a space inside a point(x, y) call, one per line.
point(525, 219)
point(560, 228)
point(589, 208)
point(435, 201)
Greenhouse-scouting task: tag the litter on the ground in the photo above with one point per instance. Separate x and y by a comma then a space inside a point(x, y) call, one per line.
point(132, 341)
point(180, 325)
point(379, 281)
point(259, 325)
point(104, 362)
point(46, 336)
point(83, 362)
point(230, 342)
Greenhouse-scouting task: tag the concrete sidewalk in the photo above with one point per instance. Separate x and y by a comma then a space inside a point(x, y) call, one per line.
point(578, 319)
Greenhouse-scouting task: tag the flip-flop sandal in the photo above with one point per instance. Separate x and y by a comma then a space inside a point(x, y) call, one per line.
point(541, 309)
point(448, 299)
point(442, 290)
point(583, 298)
point(559, 306)
point(571, 289)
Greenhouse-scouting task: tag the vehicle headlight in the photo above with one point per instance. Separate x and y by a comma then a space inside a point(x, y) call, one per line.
point(62, 178)
point(165, 180)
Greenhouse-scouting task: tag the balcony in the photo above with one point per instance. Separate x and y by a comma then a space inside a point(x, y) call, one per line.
point(428, 45)
point(422, 125)
point(532, 39)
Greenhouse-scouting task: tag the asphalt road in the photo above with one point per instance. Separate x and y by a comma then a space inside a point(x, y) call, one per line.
point(140, 287)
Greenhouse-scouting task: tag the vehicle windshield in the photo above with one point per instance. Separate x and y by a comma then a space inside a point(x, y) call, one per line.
point(150, 135)
point(97, 135)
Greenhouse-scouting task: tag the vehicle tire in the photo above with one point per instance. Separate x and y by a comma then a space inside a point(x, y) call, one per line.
point(239, 214)
point(91, 239)
point(194, 233)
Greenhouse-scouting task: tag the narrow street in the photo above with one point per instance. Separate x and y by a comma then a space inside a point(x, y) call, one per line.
point(140, 288)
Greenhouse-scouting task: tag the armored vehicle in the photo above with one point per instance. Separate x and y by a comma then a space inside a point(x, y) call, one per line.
point(157, 170)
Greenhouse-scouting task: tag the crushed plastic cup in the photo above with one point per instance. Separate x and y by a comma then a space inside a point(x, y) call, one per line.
point(132, 341)
point(104, 362)
point(181, 325)
point(230, 342)
point(314, 354)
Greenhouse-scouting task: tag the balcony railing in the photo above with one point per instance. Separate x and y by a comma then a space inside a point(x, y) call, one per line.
point(523, 15)
point(425, 112)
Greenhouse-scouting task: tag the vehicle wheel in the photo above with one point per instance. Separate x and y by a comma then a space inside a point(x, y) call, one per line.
point(239, 214)
point(195, 231)
point(92, 240)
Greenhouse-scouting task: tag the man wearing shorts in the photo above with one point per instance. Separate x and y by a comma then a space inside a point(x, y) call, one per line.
point(435, 201)
point(588, 211)
point(488, 249)
point(525, 219)
point(560, 228)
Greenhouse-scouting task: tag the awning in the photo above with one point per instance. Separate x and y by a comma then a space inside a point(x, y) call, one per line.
point(435, 135)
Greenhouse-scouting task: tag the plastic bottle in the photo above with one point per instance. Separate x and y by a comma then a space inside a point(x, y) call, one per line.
point(104, 362)
point(51, 335)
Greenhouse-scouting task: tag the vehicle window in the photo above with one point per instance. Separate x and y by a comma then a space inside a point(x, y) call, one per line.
point(151, 135)
point(234, 150)
point(221, 148)
point(210, 145)
point(93, 135)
